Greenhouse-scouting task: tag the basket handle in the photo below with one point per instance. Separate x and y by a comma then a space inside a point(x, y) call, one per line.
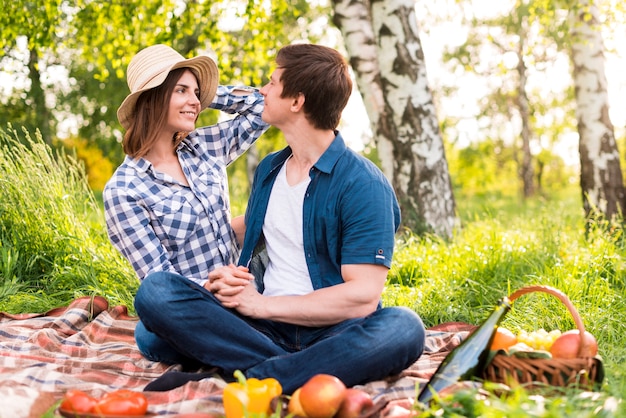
point(564, 299)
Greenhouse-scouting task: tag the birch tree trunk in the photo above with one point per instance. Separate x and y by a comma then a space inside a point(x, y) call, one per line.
point(527, 172)
point(41, 116)
point(601, 175)
point(382, 40)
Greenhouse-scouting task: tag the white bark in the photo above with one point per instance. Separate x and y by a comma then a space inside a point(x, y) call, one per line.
point(383, 42)
point(601, 177)
point(353, 18)
point(421, 171)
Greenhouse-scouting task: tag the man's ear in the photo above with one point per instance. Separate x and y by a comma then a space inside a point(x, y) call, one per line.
point(297, 102)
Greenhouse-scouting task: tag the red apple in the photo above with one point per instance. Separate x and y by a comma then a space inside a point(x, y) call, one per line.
point(567, 345)
point(321, 396)
point(355, 403)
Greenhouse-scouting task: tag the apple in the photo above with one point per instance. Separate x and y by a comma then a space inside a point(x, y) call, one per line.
point(567, 345)
point(295, 407)
point(355, 403)
point(321, 396)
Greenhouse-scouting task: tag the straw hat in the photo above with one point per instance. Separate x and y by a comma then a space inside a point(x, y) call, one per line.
point(149, 69)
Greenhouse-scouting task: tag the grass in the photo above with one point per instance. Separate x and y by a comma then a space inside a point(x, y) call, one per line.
point(53, 248)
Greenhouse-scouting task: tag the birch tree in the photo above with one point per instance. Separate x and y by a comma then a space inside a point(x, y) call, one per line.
point(601, 175)
point(382, 40)
point(509, 100)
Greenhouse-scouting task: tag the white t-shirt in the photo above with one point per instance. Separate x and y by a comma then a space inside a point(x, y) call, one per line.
point(287, 272)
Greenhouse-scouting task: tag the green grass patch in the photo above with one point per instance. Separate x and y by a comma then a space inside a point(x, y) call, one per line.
point(53, 247)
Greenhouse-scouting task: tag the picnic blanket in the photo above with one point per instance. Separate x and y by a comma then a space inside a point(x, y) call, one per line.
point(90, 346)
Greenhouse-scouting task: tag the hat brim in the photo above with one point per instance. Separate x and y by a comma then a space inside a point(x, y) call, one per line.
point(208, 78)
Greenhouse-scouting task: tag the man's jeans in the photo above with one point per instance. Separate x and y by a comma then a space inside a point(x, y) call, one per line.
point(181, 322)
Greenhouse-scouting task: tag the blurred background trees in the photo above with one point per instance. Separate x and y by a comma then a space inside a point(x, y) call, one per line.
point(511, 88)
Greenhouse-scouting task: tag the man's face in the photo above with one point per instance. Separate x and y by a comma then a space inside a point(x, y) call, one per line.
point(276, 108)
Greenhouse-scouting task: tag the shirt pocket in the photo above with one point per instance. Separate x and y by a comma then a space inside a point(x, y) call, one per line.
point(174, 222)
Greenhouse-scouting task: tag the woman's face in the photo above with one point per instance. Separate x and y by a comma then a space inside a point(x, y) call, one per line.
point(184, 104)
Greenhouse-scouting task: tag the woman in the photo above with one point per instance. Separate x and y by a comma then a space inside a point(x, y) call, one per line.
point(167, 205)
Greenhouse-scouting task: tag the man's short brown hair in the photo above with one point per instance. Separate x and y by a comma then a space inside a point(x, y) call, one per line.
point(321, 75)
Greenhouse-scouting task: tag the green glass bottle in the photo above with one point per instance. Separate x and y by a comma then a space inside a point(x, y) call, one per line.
point(468, 359)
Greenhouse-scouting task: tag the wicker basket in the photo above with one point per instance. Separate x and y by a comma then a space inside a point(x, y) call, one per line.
point(582, 371)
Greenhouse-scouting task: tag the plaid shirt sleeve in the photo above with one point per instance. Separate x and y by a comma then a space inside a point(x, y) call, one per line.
point(129, 231)
point(239, 133)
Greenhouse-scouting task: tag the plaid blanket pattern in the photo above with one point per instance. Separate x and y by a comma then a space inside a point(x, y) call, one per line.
point(90, 346)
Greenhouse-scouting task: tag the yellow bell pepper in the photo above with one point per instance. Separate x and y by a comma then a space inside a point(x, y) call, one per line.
point(252, 396)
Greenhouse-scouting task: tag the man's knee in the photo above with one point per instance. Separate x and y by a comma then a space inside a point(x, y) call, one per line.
point(155, 290)
point(413, 330)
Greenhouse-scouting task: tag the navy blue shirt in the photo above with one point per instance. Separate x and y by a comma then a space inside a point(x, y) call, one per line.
point(350, 213)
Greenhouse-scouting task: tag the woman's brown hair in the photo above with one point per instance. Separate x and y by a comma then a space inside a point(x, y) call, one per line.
point(150, 116)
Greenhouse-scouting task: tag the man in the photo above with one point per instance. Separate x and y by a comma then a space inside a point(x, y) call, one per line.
point(320, 231)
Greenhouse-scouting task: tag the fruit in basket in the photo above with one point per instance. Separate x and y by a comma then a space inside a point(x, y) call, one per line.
point(503, 339)
point(567, 345)
point(355, 403)
point(520, 347)
point(522, 350)
point(322, 395)
point(539, 339)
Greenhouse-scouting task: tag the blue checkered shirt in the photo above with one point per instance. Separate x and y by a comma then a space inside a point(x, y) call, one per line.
point(158, 224)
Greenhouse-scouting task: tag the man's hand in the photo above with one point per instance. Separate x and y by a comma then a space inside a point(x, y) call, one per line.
point(228, 280)
point(248, 301)
point(234, 287)
point(357, 297)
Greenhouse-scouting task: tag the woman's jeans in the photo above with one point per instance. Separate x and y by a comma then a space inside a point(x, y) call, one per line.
point(181, 322)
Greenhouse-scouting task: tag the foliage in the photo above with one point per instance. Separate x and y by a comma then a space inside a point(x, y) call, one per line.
point(81, 71)
point(488, 168)
point(32, 17)
point(53, 247)
point(38, 24)
point(483, 167)
point(98, 168)
point(519, 403)
point(521, 53)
